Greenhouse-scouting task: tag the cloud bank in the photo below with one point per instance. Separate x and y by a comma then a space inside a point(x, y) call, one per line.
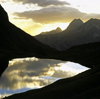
point(51, 14)
point(42, 3)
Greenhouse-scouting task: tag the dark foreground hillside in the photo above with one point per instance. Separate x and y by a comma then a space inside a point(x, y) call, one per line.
point(15, 43)
point(83, 86)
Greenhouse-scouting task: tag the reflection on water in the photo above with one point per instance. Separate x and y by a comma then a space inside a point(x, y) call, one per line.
point(35, 73)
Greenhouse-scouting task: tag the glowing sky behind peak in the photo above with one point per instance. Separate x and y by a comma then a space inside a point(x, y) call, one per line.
point(62, 11)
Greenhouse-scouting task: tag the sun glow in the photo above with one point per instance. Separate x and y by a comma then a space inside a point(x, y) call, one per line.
point(69, 66)
point(63, 26)
point(33, 28)
point(48, 27)
point(92, 6)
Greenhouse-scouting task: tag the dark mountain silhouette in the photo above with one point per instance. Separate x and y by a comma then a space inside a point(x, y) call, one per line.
point(57, 30)
point(75, 23)
point(49, 37)
point(77, 33)
point(15, 43)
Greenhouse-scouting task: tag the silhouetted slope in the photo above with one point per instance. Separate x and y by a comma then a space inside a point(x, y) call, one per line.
point(86, 85)
point(75, 34)
point(3, 65)
point(49, 38)
point(17, 40)
point(87, 54)
point(15, 43)
point(57, 30)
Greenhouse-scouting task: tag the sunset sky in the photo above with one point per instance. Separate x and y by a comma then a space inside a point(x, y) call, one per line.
point(34, 17)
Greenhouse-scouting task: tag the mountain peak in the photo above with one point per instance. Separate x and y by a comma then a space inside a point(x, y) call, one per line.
point(92, 20)
point(75, 23)
point(77, 20)
point(58, 29)
point(92, 23)
point(3, 15)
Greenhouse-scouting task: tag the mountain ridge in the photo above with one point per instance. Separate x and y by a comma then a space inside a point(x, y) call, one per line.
point(57, 30)
point(81, 34)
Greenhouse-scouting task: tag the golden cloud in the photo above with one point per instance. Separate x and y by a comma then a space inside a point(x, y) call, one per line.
point(51, 14)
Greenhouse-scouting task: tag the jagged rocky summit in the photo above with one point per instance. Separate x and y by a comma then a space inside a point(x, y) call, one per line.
point(77, 33)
